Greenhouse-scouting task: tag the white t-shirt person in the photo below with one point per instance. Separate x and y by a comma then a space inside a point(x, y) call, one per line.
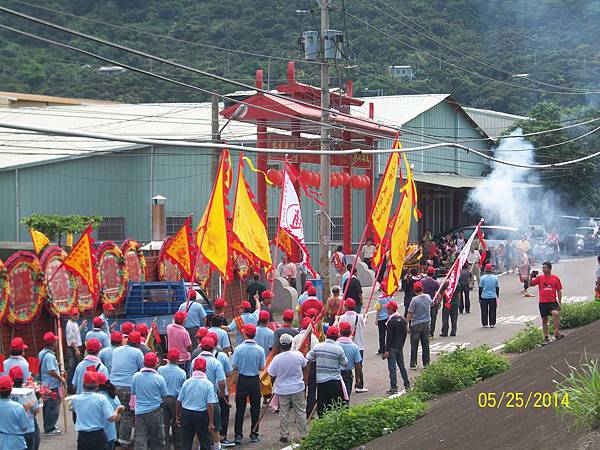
point(288, 367)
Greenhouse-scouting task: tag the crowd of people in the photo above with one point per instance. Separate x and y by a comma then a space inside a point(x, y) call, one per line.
point(123, 394)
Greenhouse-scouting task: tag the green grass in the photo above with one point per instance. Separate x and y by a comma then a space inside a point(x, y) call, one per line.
point(344, 428)
point(574, 315)
point(525, 340)
point(579, 395)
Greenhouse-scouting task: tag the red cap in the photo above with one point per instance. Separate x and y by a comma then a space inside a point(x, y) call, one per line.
point(74, 311)
point(179, 317)
point(288, 314)
point(108, 307)
point(93, 345)
point(250, 330)
point(213, 336)
point(126, 327)
point(430, 270)
point(219, 303)
point(245, 304)
point(201, 332)
point(345, 326)
point(263, 315)
point(392, 305)
point(18, 344)
point(6, 383)
point(98, 322)
point(207, 342)
point(267, 294)
point(333, 331)
point(488, 267)
point(116, 337)
point(142, 328)
point(200, 364)
point(15, 373)
point(307, 284)
point(312, 291)
point(50, 338)
point(134, 337)
point(311, 312)
point(101, 378)
point(418, 286)
point(150, 359)
point(90, 377)
point(305, 323)
point(350, 303)
point(173, 355)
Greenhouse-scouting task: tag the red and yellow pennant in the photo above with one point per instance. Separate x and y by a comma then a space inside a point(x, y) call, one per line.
point(39, 239)
point(81, 260)
point(248, 227)
point(284, 242)
point(213, 230)
point(180, 251)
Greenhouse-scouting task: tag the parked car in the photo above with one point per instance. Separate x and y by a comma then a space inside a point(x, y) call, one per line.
point(586, 240)
point(493, 235)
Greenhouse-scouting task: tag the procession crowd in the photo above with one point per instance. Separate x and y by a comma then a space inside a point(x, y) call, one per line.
point(123, 394)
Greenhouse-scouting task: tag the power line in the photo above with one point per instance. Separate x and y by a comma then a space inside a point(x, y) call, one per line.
point(459, 67)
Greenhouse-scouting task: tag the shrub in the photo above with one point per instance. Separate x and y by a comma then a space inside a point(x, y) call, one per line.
point(344, 428)
point(460, 369)
point(578, 314)
point(525, 340)
point(579, 394)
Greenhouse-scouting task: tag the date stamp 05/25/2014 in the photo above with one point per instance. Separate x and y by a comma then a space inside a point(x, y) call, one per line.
point(522, 400)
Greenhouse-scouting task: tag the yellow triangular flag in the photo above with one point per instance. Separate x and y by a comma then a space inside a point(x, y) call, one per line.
point(39, 239)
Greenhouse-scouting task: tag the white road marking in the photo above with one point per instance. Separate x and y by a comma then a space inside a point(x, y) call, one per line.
point(516, 320)
point(575, 299)
point(447, 347)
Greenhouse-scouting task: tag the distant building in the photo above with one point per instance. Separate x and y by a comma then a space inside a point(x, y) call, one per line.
point(20, 100)
point(401, 72)
point(494, 123)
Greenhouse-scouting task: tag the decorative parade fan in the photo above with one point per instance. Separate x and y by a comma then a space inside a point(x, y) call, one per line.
point(135, 262)
point(27, 288)
point(61, 289)
point(167, 270)
point(4, 292)
point(112, 272)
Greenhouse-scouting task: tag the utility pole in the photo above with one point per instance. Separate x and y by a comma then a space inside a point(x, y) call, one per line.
point(325, 168)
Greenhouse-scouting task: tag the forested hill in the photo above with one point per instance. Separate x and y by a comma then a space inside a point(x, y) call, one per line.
point(455, 46)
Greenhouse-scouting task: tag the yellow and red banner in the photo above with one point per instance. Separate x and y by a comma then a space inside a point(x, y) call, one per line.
point(179, 250)
point(212, 237)
point(81, 260)
point(39, 239)
point(248, 227)
point(382, 206)
point(398, 244)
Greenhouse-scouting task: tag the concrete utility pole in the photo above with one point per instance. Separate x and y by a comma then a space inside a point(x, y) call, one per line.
point(325, 168)
point(216, 137)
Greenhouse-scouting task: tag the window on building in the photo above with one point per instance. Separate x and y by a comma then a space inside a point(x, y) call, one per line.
point(337, 229)
point(174, 223)
point(272, 224)
point(112, 229)
point(276, 166)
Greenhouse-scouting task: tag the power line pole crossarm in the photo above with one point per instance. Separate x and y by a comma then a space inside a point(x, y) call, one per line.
point(325, 169)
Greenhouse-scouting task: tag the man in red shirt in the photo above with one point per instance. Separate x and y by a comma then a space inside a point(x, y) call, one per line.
point(311, 302)
point(550, 292)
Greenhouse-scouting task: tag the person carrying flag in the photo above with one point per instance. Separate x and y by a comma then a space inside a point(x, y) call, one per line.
point(395, 336)
point(381, 315)
point(245, 318)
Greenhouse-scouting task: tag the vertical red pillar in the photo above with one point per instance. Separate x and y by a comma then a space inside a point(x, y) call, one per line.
point(347, 198)
point(369, 190)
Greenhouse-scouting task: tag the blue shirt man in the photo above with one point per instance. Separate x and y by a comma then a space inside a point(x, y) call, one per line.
point(247, 317)
point(381, 311)
point(81, 368)
point(126, 361)
point(174, 377)
point(214, 369)
point(196, 314)
point(110, 428)
point(351, 351)
point(14, 421)
point(48, 363)
point(264, 337)
point(489, 286)
point(222, 336)
point(93, 411)
point(149, 388)
point(249, 358)
point(16, 360)
point(105, 356)
point(226, 363)
point(100, 335)
point(197, 393)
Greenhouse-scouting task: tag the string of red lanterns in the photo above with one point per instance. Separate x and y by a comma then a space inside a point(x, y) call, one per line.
point(313, 179)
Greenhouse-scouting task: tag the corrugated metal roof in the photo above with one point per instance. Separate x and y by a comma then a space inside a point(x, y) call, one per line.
point(494, 123)
point(186, 121)
point(456, 181)
point(396, 110)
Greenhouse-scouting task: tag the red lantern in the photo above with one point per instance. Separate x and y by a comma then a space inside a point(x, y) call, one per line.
point(306, 177)
point(345, 176)
point(272, 175)
point(317, 179)
point(367, 181)
point(334, 180)
point(355, 181)
point(278, 178)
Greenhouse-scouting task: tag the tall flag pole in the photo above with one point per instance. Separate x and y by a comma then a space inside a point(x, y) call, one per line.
point(180, 249)
point(453, 274)
point(212, 233)
point(248, 227)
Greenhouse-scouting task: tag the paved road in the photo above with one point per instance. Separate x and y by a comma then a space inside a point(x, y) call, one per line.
point(514, 312)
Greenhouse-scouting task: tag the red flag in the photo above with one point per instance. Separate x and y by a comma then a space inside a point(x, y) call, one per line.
point(482, 242)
